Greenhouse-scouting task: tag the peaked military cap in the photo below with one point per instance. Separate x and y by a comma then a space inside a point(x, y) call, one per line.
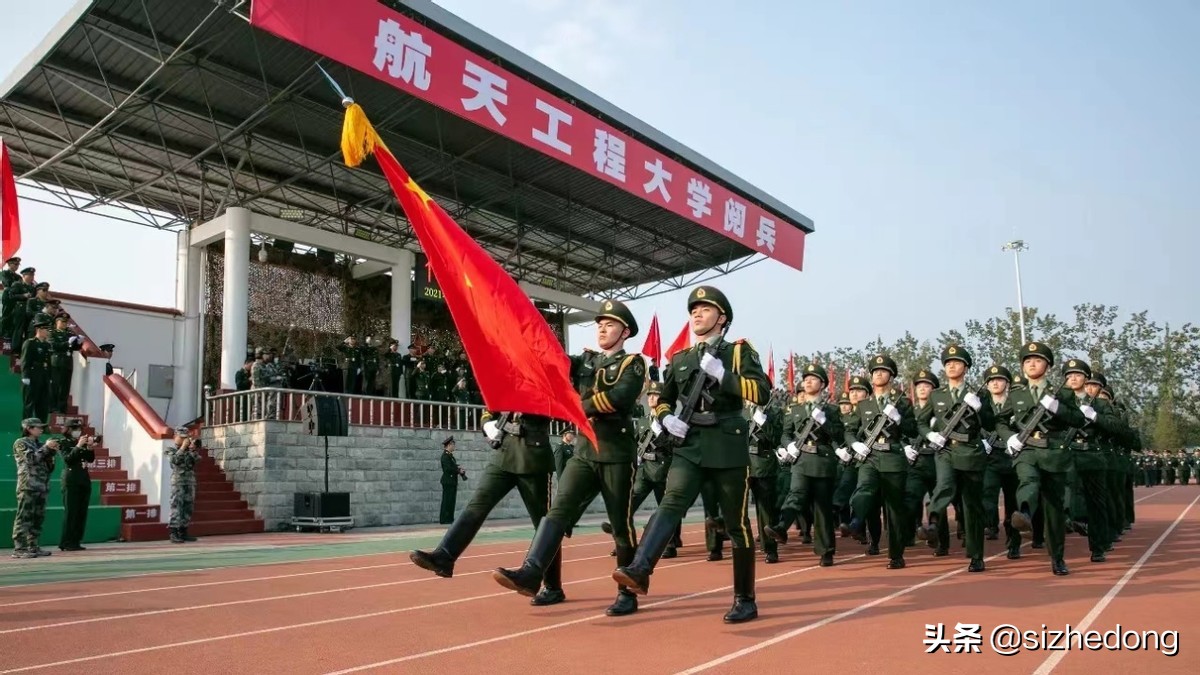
point(1018, 382)
point(62, 316)
point(42, 322)
point(816, 371)
point(957, 353)
point(42, 286)
point(927, 377)
point(999, 372)
point(1111, 396)
point(54, 302)
point(1038, 349)
point(28, 270)
point(1098, 377)
point(30, 422)
point(859, 382)
point(14, 259)
point(448, 441)
point(654, 388)
point(711, 295)
point(882, 361)
point(844, 398)
point(1077, 366)
point(617, 311)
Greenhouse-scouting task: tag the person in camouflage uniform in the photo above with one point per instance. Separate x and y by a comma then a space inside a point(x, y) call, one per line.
point(35, 461)
point(35, 371)
point(266, 374)
point(183, 458)
point(15, 296)
point(63, 341)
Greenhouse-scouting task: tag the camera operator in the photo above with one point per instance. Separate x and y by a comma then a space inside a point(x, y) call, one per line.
point(183, 458)
point(77, 485)
point(35, 461)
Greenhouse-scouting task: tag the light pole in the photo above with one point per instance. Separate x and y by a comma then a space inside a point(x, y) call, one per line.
point(1016, 246)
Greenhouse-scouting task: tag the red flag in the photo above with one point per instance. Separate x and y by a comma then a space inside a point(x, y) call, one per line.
point(10, 220)
point(517, 361)
point(791, 373)
point(652, 347)
point(771, 366)
point(682, 341)
point(831, 373)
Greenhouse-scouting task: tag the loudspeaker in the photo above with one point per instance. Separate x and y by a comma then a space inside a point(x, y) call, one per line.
point(322, 505)
point(325, 416)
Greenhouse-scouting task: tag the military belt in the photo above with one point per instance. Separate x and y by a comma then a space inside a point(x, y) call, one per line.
point(927, 450)
point(513, 428)
point(1082, 447)
point(961, 438)
point(809, 448)
point(650, 457)
point(703, 419)
point(882, 447)
point(762, 453)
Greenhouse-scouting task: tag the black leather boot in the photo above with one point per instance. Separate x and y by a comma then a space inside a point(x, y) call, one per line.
point(183, 534)
point(779, 531)
point(552, 592)
point(744, 608)
point(175, 538)
point(636, 575)
point(527, 579)
point(626, 602)
point(459, 535)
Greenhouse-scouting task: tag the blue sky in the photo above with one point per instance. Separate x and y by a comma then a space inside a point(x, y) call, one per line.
point(919, 137)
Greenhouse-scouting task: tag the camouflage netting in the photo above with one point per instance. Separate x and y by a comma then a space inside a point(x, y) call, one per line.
point(309, 305)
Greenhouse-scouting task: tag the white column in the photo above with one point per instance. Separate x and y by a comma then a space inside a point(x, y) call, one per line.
point(187, 332)
point(234, 304)
point(402, 298)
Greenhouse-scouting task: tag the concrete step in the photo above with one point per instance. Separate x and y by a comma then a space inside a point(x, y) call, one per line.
point(140, 514)
point(224, 514)
point(123, 500)
point(121, 487)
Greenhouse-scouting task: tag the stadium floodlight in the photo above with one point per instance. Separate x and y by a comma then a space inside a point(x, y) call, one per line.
point(1016, 246)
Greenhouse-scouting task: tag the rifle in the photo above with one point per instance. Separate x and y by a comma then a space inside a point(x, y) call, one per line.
point(1035, 417)
point(695, 392)
point(960, 411)
point(649, 442)
point(804, 433)
point(772, 404)
point(502, 423)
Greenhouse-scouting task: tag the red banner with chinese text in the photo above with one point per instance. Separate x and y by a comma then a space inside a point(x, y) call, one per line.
point(382, 43)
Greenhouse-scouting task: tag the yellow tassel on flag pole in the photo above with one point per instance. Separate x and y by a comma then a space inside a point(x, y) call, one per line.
point(359, 138)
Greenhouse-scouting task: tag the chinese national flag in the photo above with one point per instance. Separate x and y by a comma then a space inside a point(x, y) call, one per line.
point(831, 375)
point(517, 361)
point(791, 373)
point(10, 221)
point(682, 341)
point(771, 366)
point(652, 348)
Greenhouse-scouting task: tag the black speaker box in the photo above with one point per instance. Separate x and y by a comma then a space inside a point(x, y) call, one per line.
point(322, 505)
point(325, 416)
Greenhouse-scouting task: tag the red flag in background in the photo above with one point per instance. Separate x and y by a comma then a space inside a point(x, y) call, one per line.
point(517, 361)
point(10, 220)
point(832, 377)
point(791, 373)
point(652, 347)
point(771, 366)
point(682, 341)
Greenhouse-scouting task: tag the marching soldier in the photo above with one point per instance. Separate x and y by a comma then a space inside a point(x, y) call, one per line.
point(76, 485)
point(62, 343)
point(183, 458)
point(1041, 458)
point(610, 383)
point(812, 428)
point(922, 472)
point(451, 474)
point(34, 463)
point(35, 371)
point(962, 460)
point(1000, 478)
point(764, 468)
point(522, 459)
point(858, 390)
point(1088, 444)
point(15, 297)
point(710, 444)
point(1118, 459)
point(876, 432)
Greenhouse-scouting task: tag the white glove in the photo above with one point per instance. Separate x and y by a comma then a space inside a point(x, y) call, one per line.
point(713, 366)
point(1014, 446)
point(792, 450)
point(892, 413)
point(987, 447)
point(25, 381)
point(818, 416)
point(937, 439)
point(656, 428)
point(972, 400)
point(760, 418)
point(843, 454)
point(1050, 403)
point(675, 426)
point(860, 449)
point(1089, 412)
point(781, 454)
point(74, 340)
point(911, 453)
point(491, 429)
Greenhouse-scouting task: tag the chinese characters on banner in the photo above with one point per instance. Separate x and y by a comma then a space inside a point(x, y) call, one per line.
point(369, 37)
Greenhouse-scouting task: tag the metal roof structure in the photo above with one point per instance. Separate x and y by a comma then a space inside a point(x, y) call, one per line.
point(164, 113)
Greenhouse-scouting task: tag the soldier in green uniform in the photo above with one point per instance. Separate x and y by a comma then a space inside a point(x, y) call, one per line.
point(393, 364)
point(961, 458)
point(711, 444)
point(922, 471)
point(1042, 460)
point(421, 382)
point(1000, 478)
point(15, 297)
point(563, 452)
point(62, 343)
point(34, 306)
point(884, 468)
point(182, 457)
point(812, 429)
point(1118, 458)
point(76, 485)
point(764, 469)
point(352, 365)
point(8, 277)
point(1089, 445)
point(610, 383)
point(1170, 463)
point(35, 461)
point(522, 459)
point(370, 361)
point(858, 390)
point(35, 371)
point(451, 474)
